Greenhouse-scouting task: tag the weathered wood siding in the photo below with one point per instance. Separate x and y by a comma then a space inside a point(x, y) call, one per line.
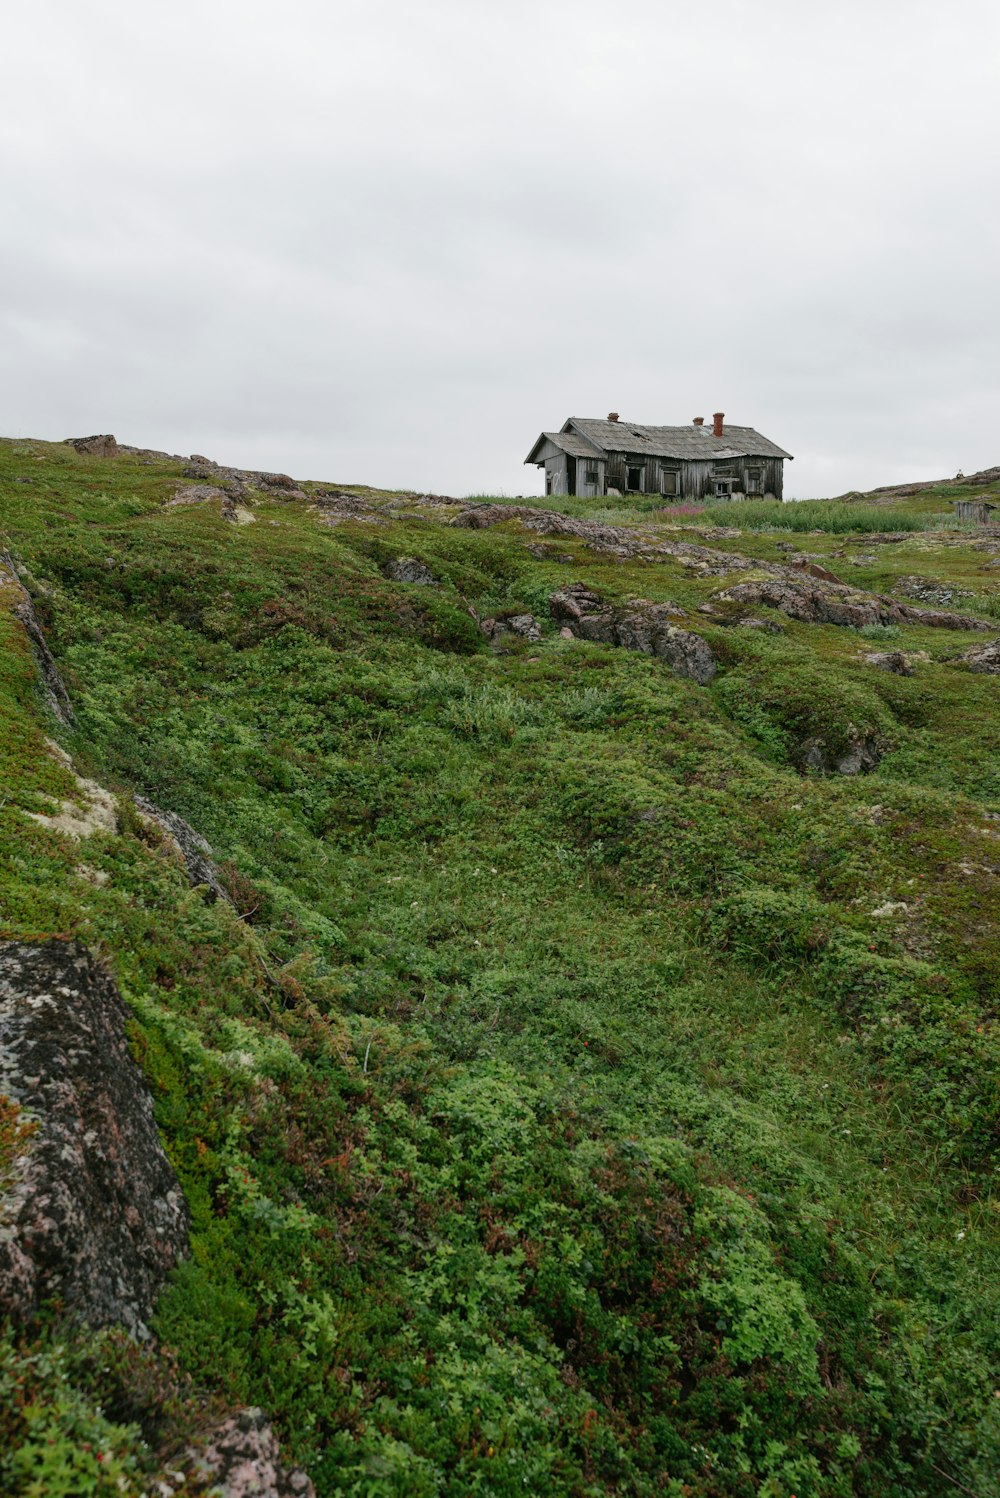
point(697, 478)
point(978, 510)
point(556, 474)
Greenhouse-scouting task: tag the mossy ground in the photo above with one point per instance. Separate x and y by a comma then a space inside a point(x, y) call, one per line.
point(560, 1117)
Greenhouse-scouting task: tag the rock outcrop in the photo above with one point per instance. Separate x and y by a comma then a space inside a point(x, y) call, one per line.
point(638, 625)
point(94, 1214)
point(893, 661)
point(239, 483)
point(239, 1458)
point(524, 626)
point(861, 755)
point(410, 570)
point(193, 849)
point(984, 658)
point(24, 611)
point(101, 446)
point(818, 602)
point(614, 540)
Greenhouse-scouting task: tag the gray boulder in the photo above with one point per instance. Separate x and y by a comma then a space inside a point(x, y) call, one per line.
point(861, 755)
point(91, 1210)
point(984, 658)
point(100, 446)
point(523, 626)
point(410, 570)
point(893, 661)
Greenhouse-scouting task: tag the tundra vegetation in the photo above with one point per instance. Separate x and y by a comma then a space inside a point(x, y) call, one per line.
point(580, 1091)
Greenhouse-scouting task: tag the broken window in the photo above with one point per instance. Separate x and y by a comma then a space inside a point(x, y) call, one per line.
point(723, 488)
point(591, 477)
point(635, 478)
point(671, 481)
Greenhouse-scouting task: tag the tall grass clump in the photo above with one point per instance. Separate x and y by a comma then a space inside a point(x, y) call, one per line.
point(813, 515)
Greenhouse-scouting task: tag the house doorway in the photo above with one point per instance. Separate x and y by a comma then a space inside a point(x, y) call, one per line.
point(634, 478)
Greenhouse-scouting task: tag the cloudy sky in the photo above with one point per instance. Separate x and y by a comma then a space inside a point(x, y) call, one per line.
point(389, 241)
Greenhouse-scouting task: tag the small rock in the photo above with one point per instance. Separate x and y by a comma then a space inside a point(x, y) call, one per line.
point(804, 564)
point(984, 658)
point(410, 570)
point(863, 755)
point(526, 626)
point(196, 494)
point(890, 660)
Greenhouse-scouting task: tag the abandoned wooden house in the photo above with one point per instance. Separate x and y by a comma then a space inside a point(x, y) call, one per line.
point(718, 462)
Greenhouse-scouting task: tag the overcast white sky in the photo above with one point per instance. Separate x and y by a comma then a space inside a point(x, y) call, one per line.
point(389, 241)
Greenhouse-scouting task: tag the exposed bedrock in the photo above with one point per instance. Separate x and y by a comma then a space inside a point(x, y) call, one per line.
point(863, 753)
point(102, 445)
point(24, 611)
point(616, 540)
point(239, 1458)
point(91, 1211)
point(985, 658)
point(410, 570)
point(819, 602)
point(639, 625)
point(194, 850)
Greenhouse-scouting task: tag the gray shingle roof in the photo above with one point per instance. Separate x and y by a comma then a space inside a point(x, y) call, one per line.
point(674, 442)
point(569, 442)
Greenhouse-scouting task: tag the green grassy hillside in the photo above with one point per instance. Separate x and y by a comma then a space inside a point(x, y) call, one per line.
point(581, 1096)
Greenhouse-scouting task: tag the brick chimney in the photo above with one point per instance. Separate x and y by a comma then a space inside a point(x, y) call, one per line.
point(717, 423)
point(612, 415)
point(699, 421)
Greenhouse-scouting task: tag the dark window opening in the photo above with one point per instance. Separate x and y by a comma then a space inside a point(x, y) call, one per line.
point(591, 476)
point(671, 481)
point(723, 488)
point(635, 478)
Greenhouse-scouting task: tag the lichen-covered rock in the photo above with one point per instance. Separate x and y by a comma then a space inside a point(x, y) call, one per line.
point(893, 661)
point(102, 445)
point(196, 494)
point(93, 809)
point(193, 849)
point(818, 602)
point(94, 1214)
point(239, 1458)
point(638, 625)
point(410, 570)
point(615, 540)
point(524, 626)
point(985, 658)
point(24, 611)
point(860, 756)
